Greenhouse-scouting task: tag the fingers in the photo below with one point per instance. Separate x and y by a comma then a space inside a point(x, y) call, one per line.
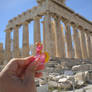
point(38, 74)
point(40, 67)
point(29, 60)
point(30, 70)
point(16, 65)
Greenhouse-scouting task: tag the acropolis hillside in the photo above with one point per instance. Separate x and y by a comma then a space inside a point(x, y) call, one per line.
point(67, 37)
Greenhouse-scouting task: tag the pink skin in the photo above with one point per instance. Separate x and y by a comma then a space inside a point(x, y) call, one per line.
point(13, 78)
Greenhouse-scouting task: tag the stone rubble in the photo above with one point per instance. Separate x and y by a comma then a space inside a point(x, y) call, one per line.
point(57, 81)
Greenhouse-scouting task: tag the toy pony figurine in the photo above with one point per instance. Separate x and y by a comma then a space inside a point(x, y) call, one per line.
point(40, 58)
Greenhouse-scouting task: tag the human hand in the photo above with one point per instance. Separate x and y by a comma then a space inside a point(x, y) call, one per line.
point(13, 78)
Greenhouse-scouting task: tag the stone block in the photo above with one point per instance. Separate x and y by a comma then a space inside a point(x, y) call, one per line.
point(43, 88)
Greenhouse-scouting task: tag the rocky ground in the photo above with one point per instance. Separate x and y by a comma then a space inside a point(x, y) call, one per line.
point(66, 76)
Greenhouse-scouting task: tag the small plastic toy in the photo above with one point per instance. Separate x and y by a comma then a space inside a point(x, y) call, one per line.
point(40, 58)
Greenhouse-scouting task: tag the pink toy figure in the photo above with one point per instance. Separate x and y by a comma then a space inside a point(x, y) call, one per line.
point(40, 58)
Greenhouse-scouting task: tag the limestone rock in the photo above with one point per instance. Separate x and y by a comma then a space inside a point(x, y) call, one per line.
point(56, 78)
point(62, 80)
point(52, 84)
point(80, 83)
point(43, 88)
point(42, 82)
point(55, 91)
point(65, 83)
point(89, 77)
point(84, 67)
point(81, 78)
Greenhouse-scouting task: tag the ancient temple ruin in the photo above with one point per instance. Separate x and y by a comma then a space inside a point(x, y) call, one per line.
point(58, 21)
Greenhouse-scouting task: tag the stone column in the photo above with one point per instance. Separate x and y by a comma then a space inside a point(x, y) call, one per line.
point(1, 54)
point(60, 46)
point(16, 51)
point(76, 39)
point(8, 45)
point(32, 48)
point(44, 43)
point(88, 44)
point(91, 43)
point(53, 37)
point(48, 34)
point(25, 48)
point(83, 43)
point(68, 39)
point(37, 36)
point(63, 40)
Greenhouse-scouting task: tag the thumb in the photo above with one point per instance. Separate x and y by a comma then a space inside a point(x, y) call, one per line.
point(30, 71)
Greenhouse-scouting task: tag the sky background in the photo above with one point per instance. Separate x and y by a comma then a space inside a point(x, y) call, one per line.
point(11, 8)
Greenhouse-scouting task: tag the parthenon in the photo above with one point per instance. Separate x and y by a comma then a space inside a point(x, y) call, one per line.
point(58, 41)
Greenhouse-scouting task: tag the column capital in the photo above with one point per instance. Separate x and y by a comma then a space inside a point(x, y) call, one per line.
point(8, 30)
point(47, 14)
point(80, 28)
point(75, 26)
point(66, 22)
point(87, 31)
point(16, 28)
point(57, 18)
point(37, 18)
point(26, 23)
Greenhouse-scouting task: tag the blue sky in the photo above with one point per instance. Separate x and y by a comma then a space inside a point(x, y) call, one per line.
point(11, 8)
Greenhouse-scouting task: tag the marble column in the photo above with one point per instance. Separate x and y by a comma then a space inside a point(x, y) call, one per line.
point(8, 45)
point(48, 34)
point(83, 43)
point(63, 40)
point(16, 50)
point(76, 39)
point(68, 39)
point(60, 47)
point(25, 48)
point(44, 43)
point(53, 37)
point(91, 43)
point(2, 57)
point(88, 44)
point(37, 36)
